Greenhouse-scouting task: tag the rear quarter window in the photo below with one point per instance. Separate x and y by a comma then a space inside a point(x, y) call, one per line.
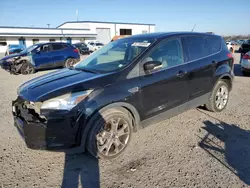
point(197, 47)
point(214, 44)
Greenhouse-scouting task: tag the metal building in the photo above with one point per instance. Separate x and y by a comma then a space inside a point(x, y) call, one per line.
point(70, 32)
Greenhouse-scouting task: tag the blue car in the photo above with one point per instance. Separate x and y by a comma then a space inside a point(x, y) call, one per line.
point(13, 48)
point(41, 56)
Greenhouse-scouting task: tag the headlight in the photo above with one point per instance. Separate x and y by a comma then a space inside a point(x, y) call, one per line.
point(65, 102)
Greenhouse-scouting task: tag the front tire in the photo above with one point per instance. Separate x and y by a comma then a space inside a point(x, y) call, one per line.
point(110, 133)
point(219, 97)
point(27, 68)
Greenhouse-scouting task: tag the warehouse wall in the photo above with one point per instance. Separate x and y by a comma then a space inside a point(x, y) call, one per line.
point(114, 28)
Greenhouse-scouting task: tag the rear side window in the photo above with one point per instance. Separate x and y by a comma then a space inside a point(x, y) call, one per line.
point(58, 46)
point(197, 47)
point(213, 44)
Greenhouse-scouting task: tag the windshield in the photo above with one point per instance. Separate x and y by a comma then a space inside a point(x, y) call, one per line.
point(29, 49)
point(114, 55)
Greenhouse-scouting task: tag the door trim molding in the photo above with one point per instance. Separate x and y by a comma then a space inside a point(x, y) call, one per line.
point(176, 110)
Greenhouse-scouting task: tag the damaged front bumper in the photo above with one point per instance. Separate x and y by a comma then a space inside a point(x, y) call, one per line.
point(13, 66)
point(57, 132)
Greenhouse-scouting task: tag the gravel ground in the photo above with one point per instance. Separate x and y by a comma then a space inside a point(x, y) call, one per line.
point(194, 149)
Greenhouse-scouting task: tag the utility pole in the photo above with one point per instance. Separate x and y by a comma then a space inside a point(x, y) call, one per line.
point(48, 25)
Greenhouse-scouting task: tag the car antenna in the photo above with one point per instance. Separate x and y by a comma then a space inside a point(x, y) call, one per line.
point(193, 27)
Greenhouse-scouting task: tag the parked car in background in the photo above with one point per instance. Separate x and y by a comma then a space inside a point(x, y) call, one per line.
point(41, 56)
point(244, 48)
point(98, 103)
point(13, 49)
point(230, 46)
point(82, 47)
point(93, 46)
point(245, 63)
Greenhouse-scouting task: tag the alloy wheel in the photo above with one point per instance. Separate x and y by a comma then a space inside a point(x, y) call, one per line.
point(28, 69)
point(70, 62)
point(114, 137)
point(221, 97)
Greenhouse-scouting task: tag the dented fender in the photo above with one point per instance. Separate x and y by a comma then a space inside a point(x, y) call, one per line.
point(15, 66)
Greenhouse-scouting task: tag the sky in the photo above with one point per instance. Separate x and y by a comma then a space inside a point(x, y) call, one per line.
point(224, 17)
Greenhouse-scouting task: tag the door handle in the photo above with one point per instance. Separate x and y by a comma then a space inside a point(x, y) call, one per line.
point(181, 74)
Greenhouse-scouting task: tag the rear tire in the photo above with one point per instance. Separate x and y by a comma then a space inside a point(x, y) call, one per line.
point(110, 133)
point(69, 62)
point(219, 97)
point(27, 68)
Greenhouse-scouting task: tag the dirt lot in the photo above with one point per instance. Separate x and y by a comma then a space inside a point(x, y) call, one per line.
point(194, 149)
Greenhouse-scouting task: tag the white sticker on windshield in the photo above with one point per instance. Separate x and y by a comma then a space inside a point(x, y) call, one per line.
point(141, 44)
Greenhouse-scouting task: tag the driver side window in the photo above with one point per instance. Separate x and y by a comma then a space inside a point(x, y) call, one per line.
point(168, 52)
point(44, 48)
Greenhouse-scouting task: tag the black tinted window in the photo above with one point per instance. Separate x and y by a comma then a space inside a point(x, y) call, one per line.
point(214, 44)
point(57, 46)
point(45, 48)
point(197, 47)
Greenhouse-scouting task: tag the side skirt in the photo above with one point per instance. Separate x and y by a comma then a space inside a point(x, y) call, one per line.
point(176, 110)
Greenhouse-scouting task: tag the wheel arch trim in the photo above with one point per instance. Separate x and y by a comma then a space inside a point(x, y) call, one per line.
point(130, 108)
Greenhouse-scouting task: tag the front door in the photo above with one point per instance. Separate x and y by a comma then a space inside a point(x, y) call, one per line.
point(42, 57)
point(166, 87)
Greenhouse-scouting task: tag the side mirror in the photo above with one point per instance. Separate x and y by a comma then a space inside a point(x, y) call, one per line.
point(152, 65)
point(37, 51)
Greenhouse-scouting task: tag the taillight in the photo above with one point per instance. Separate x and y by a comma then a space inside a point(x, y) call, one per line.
point(76, 50)
point(230, 55)
point(246, 56)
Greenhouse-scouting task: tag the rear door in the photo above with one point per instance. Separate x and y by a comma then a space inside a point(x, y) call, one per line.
point(58, 54)
point(167, 87)
point(42, 57)
point(201, 64)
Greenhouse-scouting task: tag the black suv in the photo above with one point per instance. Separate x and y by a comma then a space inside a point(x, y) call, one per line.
point(130, 83)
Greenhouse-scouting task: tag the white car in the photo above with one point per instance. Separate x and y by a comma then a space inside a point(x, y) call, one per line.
point(230, 46)
point(93, 46)
point(245, 63)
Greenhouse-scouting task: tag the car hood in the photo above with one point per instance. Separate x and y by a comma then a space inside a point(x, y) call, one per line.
point(58, 83)
point(14, 55)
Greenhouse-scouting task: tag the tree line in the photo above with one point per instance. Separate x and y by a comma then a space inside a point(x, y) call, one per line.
point(236, 37)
